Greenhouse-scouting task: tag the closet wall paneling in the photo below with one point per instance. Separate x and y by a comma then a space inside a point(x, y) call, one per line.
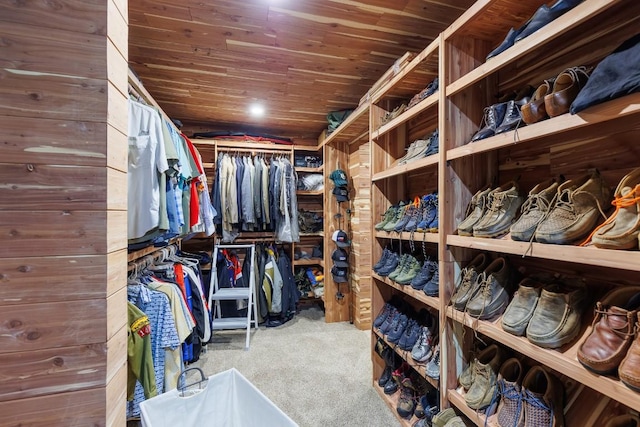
point(63, 104)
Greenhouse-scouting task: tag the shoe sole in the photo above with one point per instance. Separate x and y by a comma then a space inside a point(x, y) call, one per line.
point(556, 344)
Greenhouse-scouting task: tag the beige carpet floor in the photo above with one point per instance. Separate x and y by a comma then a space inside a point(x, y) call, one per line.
point(318, 373)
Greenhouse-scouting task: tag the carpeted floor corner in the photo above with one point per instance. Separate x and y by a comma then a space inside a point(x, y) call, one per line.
point(317, 373)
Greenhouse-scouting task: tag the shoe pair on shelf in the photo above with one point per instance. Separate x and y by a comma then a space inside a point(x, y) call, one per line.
point(544, 15)
point(428, 278)
point(554, 96)
point(549, 314)
point(503, 116)
point(425, 93)
point(566, 213)
point(421, 148)
point(491, 212)
point(483, 288)
point(390, 115)
point(614, 343)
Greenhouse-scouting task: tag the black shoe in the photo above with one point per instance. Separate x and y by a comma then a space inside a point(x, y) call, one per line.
point(493, 116)
point(385, 377)
point(544, 15)
point(507, 43)
point(512, 118)
point(391, 386)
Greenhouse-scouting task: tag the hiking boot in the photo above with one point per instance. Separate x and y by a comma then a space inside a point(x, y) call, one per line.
point(409, 213)
point(411, 270)
point(416, 217)
point(504, 203)
point(468, 276)
point(433, 367)
point(391, 264)
point(423, 348)
point(386, 376)
point(433, 226)
point(492, 297)
point(407, 400)
point(626, 420)
point(475, 212)
point(578, 207)
point(382, 260)
point(391, 224)
point(612, 330)
point(519, 312)
point(621, 229)
point(404, 259)
point(388, 215)
point(533, 210)
point(410, 335)
point(443, 417)
point(425, 274)
point(484, 376)
point(396, 331)
point(556, 319)
point(542, 397)
point(493, 116)
point(429, 212)
point(509, 393)
point(432, 288)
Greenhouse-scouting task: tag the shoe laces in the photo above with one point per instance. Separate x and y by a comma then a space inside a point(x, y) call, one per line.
point(628, 200)
point(537, 403)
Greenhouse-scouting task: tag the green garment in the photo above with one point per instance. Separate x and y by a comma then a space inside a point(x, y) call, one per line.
point(139, 359)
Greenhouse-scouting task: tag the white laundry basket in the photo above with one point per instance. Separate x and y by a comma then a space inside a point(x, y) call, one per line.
point(227, 399)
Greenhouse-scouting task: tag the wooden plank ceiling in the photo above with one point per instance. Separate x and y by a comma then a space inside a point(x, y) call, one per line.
point(206, 61)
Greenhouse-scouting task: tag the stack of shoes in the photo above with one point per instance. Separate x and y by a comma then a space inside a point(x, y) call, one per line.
point(544, 15)
point(554, 96)
point(467, 279)
point(480, 377)
point(549, 314)
point(489, 296)
point(425, 93)
point(577, 208)
point(612, 336)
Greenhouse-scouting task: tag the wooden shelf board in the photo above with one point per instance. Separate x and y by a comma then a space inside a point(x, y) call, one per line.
point(405, 235)
point(392, 403)
point(134, 255)
point(319, 169)
point(625, 106)
point(408, 167)
point(419, 108)
point(456, 398)
point(312, 261)
point(411, 66)
point(242, 146)
point(309, 193)
point(563, 360)
point(432, 302)
point(318, 234)
point(355, 125)
point(535, 42)
point(624, 260)
point(420, 368)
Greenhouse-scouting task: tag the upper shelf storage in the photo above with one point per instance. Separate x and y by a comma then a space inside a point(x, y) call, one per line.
point(583, 35)
point(354, 128)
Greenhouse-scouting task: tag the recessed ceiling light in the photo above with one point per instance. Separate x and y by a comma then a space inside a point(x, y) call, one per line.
point(256, 110)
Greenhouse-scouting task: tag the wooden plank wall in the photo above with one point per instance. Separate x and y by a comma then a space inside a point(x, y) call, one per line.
point(360, 254)
point(63, 112)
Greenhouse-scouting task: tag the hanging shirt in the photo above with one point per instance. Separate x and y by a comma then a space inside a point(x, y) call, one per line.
point(139, 359)
point(163, 336)
point(146, 161)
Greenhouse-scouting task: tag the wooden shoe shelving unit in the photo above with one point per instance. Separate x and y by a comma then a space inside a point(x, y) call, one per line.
point(603, 137)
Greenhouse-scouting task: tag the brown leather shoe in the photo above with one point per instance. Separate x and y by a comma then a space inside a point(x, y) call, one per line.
point(629, 370)
point(626, 420)
point(565, 90)
point(612, 330)
point(534, 110)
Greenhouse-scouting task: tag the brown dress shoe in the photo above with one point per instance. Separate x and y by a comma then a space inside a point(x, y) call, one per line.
point(565, 90)
point(629, 370)
point(626, 420)
point(612, 330)
point(534, 110)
